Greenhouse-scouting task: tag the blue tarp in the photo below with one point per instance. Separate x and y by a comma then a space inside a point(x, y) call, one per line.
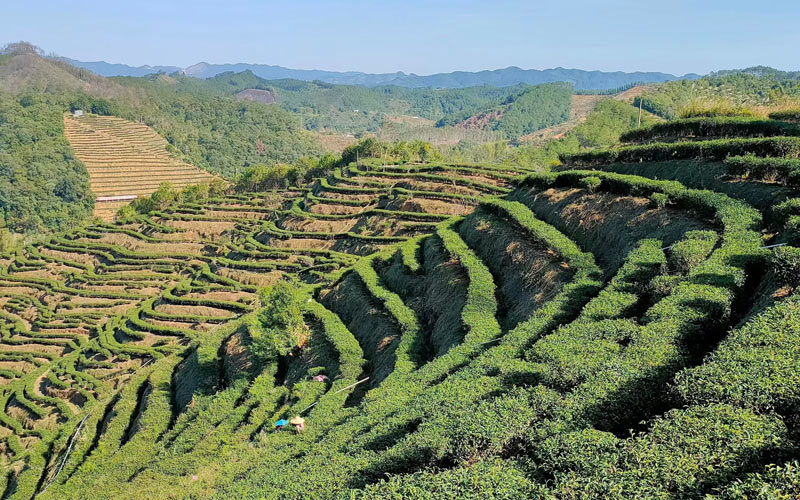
point(281, 423)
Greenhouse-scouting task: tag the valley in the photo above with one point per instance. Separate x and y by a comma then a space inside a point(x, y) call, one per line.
point(234, 287)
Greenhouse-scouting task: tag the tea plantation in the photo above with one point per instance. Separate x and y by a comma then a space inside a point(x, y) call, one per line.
point(626, 326)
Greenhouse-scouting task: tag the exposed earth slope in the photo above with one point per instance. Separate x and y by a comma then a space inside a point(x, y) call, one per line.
point(125, 160)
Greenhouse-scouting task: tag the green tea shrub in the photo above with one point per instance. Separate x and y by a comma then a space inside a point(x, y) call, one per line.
point(789, 115)
point(757, 366)
point(713, 127)
point(786, 263)
point(659, 200)
point(279, 327)
point(591, 184)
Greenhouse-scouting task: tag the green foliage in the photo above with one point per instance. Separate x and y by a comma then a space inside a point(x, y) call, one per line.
point(757, 366)
point(591, 183)
point(724, 127)
point(676, 378)
point(692, 250)
point(213, 131)
point(602, 128)
point(9, 242)
point(402, 151)
point(659, 200)
point(43, 187)
point(356, 109)
point(535, 109)
point(167, 196)
point(726, 92)
point(786, 263)
point(672, 459)
point(781, 482)
point(789, 115)
point(279, 327)
point(715, 109)
point(720, 149)
point(491, 480)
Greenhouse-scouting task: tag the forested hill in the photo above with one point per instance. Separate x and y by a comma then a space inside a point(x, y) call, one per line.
point(748, 89)
point(504, 77)
point(43, 186)
point(510, 111)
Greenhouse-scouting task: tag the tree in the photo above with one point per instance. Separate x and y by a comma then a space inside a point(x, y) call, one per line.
point(195, 193)
point(428, 153)
point(8, 242)
point(66, 190)
point(279, 327)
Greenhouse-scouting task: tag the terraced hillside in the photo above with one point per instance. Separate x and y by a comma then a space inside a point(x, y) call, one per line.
point(609, 330)
point(125, 160)
point(97, 323)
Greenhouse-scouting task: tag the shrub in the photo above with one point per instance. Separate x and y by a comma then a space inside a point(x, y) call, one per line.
point(279, 327)
point(719, 108)
point(789, 115)
point(710, 128)
point(786, 263)
point(591, 184)
point(659, 200)
point(692, 250)
point(783, 170)
point(775, 482)
point(757, 366)
point(686, 452)
point(491, 480)
point(718, 150)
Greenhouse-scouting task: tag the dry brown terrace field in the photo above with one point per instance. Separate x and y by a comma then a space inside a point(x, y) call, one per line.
point(125, 160)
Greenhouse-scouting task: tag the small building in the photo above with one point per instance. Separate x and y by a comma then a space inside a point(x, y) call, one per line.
point(77, 113)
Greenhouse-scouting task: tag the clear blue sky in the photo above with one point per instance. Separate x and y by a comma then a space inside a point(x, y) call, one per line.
point(675, 36)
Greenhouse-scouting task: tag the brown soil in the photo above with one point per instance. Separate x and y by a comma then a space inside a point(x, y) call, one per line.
point(192, 310)
point(329, 209)
point(257, 95)
point(481, 121)
point(237, 359)
point(582, 105)
point(136, 245)
point(430, 206)
point(317, 225)
point(250, 278)
point(609, 225)
point(335, 143)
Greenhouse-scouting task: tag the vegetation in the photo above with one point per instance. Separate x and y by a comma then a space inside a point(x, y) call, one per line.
point(279, 327)
point(521, 109)
point(43, 186)
point(732, 93)
point(377, 295)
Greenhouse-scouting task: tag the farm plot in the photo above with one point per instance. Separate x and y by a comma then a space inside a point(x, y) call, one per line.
point(125, 160)
point(593, 332)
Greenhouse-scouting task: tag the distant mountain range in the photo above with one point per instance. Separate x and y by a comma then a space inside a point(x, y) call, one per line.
point(110, 69)
point(581, 79)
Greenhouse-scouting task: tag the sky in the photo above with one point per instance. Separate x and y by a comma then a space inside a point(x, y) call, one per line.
point(417, 36)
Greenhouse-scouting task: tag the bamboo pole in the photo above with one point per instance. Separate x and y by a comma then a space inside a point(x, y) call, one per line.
point(337, 392)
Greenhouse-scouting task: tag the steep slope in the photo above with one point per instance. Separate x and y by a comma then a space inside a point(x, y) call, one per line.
point(579, 334)
point(100, 325)
point(125, 160)
point(22, 68)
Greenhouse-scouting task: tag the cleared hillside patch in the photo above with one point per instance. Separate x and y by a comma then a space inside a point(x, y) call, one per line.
point(125, 160)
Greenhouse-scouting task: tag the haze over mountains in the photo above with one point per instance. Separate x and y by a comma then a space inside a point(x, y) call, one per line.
point(582, 79)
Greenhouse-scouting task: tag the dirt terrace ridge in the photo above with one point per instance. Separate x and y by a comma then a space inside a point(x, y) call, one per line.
point(125, 160)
